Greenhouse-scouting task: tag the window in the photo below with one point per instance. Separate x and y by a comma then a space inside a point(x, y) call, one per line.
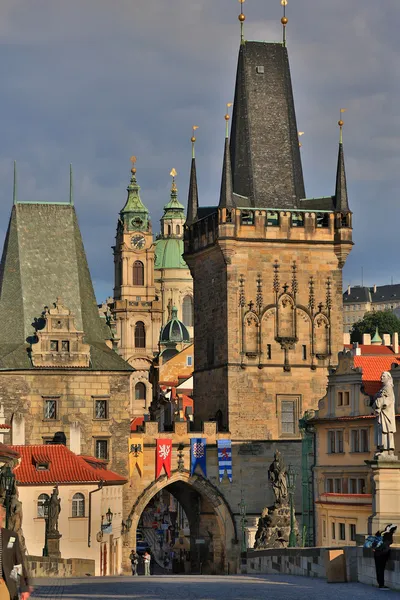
point(101, 409)
point(78, 505)
point(54, 345)
point(297, 220)
point(169, 229)
point(50, 409)
point(138, 273)
point(247, 217)
point(322, 220)
point(364, 440)
point(324, 528)
point(361, 486)
point(335, 441)
point(288, 416)
point(353, 486)
point(187, 311)
point(272, 219)
point(101, 449)
point(333, 531)
point(140, 391)
point(189, 361)
point(41, 501)
point(304, 352)
point(178, 230)
point(329, 486)
point(359, 440)
point(269, 351)
point(343, 399)
point(338, 486)
point(65, 346)
point(353, 532)
point(342, 531)
point(140, 335)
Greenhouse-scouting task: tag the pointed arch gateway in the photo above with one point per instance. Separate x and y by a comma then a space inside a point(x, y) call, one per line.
point(209, 515)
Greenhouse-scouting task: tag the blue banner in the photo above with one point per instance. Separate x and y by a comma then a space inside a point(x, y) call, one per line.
point(225, 459)
point(198, 447)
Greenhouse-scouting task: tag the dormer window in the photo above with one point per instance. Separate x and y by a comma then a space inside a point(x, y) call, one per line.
point(42, 466)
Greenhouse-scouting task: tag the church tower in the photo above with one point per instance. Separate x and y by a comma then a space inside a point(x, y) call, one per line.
point(137, 310)
point(266, 264)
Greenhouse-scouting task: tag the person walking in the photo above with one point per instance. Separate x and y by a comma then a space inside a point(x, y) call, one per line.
point(13, 571)
point(134, 558)
point(382, 553)
point(147, 559)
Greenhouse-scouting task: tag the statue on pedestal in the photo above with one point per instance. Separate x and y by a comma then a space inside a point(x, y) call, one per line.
point(277, 477)
point(54, 511)
point(384, 410)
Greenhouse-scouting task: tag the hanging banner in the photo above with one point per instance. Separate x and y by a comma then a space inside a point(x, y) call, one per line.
point(198, 448)
point(135, 456)
point(225, 459)
point(163, 456)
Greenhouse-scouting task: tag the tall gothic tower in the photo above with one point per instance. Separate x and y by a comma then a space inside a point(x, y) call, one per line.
point(266, 264)
point(137, 309)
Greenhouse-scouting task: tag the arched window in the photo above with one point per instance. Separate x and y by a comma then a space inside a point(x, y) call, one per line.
point(187, 311)
point(178, 230)
point(169, 229)
point(138, 273)
point(140, 391)
point(140, 335)
point(78, 505)
point(41, 501)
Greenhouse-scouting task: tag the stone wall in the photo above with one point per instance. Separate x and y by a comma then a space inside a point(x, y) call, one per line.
point(311, 562)
point(46, 566)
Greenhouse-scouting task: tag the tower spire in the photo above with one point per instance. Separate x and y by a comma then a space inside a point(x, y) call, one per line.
point(135, 214)
point(341, 198)
point(71, 186)
point(15, 183)
point(284, 21)
point(226, 195)
point(193, 197)
point(242, 18)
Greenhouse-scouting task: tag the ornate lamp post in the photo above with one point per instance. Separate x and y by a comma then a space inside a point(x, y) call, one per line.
point(126, 525)
point(243, 522)
point(7, 483)
point(291, 483)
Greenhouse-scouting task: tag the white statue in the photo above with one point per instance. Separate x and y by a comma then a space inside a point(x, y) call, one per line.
point(384, 409)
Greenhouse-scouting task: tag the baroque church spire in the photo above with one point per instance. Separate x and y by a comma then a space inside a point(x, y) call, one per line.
point(226, 198)
point(193, 197)
point(341, 198)
point(135, 214)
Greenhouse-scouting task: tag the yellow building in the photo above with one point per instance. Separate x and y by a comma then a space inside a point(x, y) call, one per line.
point(344, 440)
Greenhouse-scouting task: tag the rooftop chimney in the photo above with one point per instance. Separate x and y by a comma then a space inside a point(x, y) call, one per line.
point(348, 290)
point(356, 349)
point(386, 339)
point(374, 288)
point(346, 339)
point(366, 339)
point(395, 343)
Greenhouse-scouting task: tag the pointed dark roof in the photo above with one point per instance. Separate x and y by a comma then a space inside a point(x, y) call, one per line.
point(44, 258)
point(341, 200)
point(193, 197)
point(226, 195)
point(265, 153)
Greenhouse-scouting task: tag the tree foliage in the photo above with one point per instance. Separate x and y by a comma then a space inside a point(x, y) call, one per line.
point(385, 320)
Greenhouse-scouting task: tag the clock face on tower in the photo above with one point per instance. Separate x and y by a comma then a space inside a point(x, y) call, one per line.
point(138, 242)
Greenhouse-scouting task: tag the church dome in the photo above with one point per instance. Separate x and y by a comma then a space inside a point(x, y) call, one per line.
point(175, 331)
point(169, 254)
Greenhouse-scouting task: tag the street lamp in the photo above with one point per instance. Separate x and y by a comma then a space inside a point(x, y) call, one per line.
point(243, 522)
point(126, 525)
point(8, 484)
point(109, 516)
point(291, 484)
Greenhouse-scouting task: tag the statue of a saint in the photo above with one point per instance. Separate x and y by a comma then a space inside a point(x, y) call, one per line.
point(54, 509)
point(277, 476)
point(384, 409)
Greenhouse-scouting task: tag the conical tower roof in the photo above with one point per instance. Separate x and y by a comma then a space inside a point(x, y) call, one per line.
point(135, 214)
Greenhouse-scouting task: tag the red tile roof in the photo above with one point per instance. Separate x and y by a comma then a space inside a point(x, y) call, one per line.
point(372, 349)
point(63, 467)
point(372, 369)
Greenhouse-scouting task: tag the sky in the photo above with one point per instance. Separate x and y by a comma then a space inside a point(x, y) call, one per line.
point(92, 82)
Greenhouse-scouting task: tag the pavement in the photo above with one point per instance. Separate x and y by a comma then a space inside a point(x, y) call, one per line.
point(203, 587)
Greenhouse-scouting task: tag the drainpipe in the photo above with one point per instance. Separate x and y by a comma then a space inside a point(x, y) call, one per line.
point(90, 511)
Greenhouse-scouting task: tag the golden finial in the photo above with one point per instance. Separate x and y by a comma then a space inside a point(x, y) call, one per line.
point(284, 20)
point(341, 123)
point(242, 18)
point(133, 160)
point(300, 133)
point(173, 175)
point(227, 117)
point(193, 138)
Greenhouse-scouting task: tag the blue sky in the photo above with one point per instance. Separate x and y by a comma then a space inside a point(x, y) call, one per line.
point(93, 81)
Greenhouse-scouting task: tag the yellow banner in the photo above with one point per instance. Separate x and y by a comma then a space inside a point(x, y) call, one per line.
point(136, 449)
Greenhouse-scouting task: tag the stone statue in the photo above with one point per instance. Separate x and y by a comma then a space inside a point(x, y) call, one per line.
point(54, 509)
point(384, 409)
point(277, 476)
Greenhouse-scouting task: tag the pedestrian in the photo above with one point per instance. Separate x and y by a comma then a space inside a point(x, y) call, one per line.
point(13, 571)
point(134, 558)
point(147, 559)
point(382, 553)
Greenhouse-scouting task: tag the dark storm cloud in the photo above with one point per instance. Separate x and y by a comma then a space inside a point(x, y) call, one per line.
point(93, 81)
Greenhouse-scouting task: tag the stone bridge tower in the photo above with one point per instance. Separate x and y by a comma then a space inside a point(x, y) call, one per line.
point(266, 264)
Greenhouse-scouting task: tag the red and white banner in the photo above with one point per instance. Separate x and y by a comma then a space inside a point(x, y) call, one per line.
point(163, 457)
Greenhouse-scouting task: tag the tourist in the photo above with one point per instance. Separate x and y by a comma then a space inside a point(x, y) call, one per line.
point(147, 560)
point(134, 558)
point(13, 570)
point(382, 553)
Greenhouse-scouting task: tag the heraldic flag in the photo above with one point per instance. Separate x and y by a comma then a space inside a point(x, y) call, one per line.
point(163, 457)
point(198, 448)
point(225, 459)
point(135, 456)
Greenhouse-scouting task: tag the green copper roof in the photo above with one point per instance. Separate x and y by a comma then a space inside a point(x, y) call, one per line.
point(135, 215)
point(169, 254)
point(377, 338)
point(174, 209)
point(174, 331)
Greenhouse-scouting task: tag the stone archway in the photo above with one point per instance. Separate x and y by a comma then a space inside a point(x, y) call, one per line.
point(209, 515)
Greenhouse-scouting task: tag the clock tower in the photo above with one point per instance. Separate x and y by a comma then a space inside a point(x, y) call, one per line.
point(137, 310)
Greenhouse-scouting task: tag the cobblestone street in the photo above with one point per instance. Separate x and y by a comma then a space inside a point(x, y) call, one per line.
point(237, 587)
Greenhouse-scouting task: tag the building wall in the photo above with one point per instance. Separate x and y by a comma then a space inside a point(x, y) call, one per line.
point(177, 367)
